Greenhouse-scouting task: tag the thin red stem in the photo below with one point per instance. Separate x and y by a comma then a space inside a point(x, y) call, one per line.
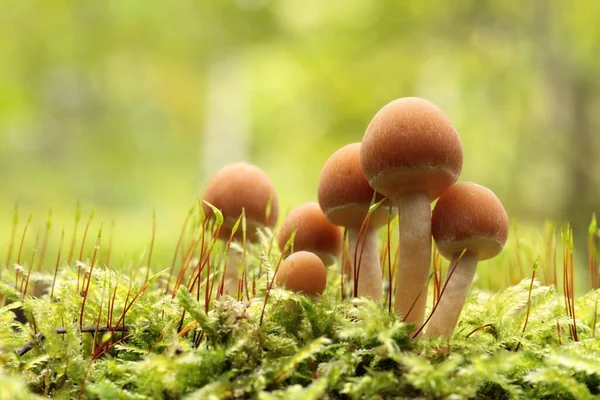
point(21, 251)
point(85, 233)
point(269, 287)
point(178, 246)
point(33, 252)
point(60, 248)
point(451, 270)
point(87, 288)
point(75, 229)
point(478, 329)
point(149, 262)
point(13, 233)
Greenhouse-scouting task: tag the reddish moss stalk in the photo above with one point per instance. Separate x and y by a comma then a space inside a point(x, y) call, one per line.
point(21, 250)
point(518, 251)
point(592, 267)
point(203, 262)
point(229, 283)
point(149, 262)
point(363, 245)
point(178, 246)
point(550, 255)
point(104, 346)
point(110, 243)
point(478, 329)
point(11, 241)
point(45, 241)
point(568, 279)
point(87, 288)
point(270, 285)
point(535, 266)
point(60, 247)
point(185, 262)
point(112, 304)
point(75, 229)
point(33, 252)
point(343, 264)
point(85, 233)
point(98, 322)
point(451, 269)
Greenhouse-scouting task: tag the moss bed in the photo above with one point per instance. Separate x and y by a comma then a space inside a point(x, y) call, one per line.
point(519, 342)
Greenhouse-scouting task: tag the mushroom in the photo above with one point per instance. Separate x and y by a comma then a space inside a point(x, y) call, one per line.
point(411, 153)
point(345, 197)
point(236, 187)
point(302, 272)
point(469, 224)
point(313, 232)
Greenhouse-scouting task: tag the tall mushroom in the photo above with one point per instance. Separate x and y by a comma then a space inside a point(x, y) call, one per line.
point(313, 232)
point(468, 220)
point(345, 197)
point(236, 187)
point(303, 272)
point(411, 153)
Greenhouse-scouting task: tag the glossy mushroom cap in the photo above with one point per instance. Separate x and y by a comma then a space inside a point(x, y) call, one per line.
point(302, 272)
point(469, 216)
point(240, 186)
point(344, 193)
point(314, 232)
point(411, 146)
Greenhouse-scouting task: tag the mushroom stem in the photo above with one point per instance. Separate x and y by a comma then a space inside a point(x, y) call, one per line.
point(369, 270)
point(415, 256)
point(232, 265)
point(457, 285)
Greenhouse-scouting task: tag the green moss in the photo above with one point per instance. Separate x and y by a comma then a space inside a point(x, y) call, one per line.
point(304, 349)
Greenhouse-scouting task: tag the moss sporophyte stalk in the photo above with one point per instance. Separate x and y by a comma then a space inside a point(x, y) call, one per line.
point(248, 310)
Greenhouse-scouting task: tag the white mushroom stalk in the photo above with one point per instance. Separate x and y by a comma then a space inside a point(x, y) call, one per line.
point(366, 265)
point(469, 224)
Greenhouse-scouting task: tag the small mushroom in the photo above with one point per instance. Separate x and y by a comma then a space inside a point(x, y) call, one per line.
point(469, 224)
point(345, 197)
point(303, 272)
point(313, 232)
point(236, 187)
point(411, 153)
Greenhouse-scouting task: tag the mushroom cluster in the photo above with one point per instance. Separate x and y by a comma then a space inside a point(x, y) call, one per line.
point(410, 156)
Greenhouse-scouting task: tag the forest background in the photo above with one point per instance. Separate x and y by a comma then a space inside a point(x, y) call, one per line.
point(130, 106)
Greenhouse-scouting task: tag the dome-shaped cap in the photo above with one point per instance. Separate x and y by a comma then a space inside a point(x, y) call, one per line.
point(411, 146)
point(240, 186)
point(302, 272)
point(469, 216)
point(344, 193)
point(314, 232)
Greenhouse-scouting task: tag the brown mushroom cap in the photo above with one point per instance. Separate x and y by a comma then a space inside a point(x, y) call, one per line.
point(469, 216)
point(314, 232)
point(411, 146)
point(344, 193)
point(240, 186)
point(302, 272)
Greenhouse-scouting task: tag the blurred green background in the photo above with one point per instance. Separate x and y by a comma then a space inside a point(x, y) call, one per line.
point(130, 105)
